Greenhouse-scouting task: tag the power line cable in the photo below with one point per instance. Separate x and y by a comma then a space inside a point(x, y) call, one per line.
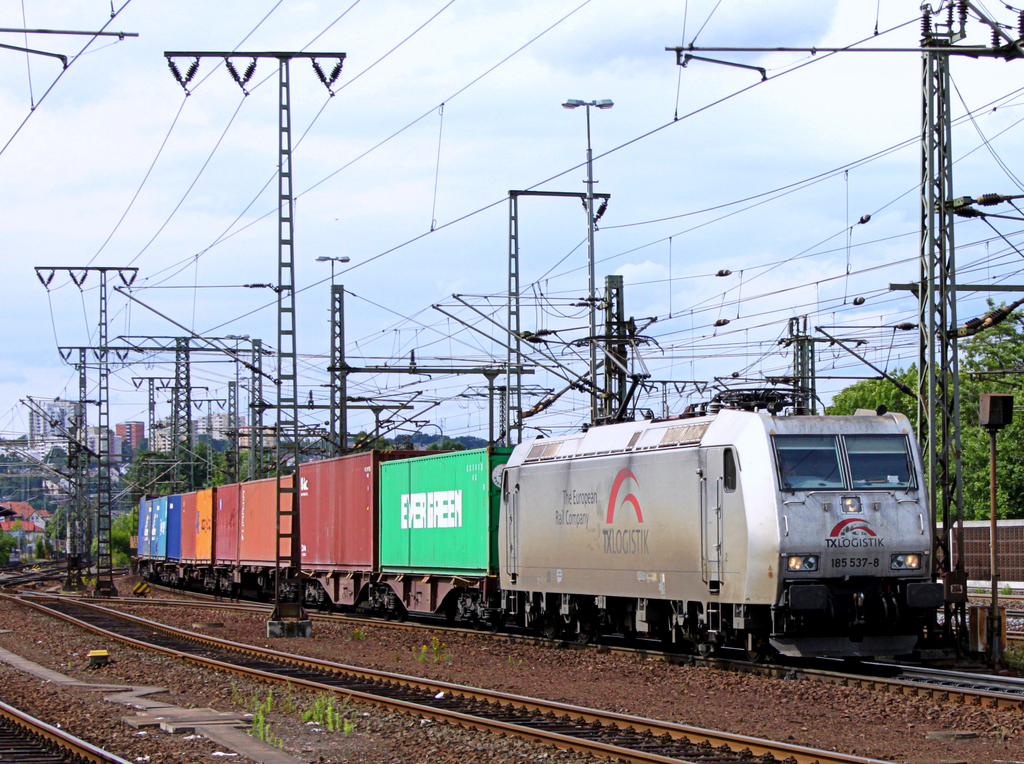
point(53, 84)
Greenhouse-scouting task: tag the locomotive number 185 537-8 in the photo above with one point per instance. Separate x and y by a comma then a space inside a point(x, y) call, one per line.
point(856, 562)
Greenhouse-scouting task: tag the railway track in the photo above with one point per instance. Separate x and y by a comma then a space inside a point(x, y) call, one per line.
point(24, 738)
point(974, 689)
point(600, 733)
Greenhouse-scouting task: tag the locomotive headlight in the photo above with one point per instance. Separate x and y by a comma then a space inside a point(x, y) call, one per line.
point(851, 504)
point(905, 562)
point(803, 562)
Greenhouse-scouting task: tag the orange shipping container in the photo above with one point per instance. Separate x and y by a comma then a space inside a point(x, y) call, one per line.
point(257, 521)
point(188, 527)
point(204, 527)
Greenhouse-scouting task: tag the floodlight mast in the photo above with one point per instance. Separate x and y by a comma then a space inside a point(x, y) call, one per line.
point(604, 103)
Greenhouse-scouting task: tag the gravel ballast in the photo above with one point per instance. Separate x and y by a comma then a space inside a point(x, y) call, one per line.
point(856, 721)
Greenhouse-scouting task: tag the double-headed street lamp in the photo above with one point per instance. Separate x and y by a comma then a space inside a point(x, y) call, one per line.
point(575, 103)
point(332, 261)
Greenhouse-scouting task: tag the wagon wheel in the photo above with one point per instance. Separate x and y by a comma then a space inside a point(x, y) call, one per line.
point(550, 628)
point(496, 622)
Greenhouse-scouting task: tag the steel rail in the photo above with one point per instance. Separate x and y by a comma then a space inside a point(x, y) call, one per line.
point(58, 738)
point(951, 686)
point(565, 718)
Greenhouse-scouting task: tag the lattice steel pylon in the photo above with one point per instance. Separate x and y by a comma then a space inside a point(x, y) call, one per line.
point(256, 460)
point(78, 467)
point(104, 563)
point(288, 584)
point(616, 350)
point(804, 384)
point(938, 378)
point(512, 397)
point(938, 385)
point(337, 428)
point(181, 415)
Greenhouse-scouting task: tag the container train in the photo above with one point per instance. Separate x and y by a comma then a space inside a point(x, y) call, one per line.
point(806, 535)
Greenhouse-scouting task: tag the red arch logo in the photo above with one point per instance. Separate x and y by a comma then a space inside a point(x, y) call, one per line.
point(629, 498)
point(852, 526)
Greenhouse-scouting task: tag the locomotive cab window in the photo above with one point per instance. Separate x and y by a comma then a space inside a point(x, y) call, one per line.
point(729, 470)
point(879, 461)
point(808, 462)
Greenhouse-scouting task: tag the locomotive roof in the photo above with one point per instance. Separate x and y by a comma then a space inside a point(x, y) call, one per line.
point(720, 428)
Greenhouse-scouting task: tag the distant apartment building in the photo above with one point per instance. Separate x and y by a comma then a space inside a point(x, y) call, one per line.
point(113, 442)
point(51, 422)
point(132, 434)
point(160, 438)
point(217, 425)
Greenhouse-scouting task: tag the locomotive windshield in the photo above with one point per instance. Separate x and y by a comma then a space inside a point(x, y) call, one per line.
point(808, 462)
point(879, 461)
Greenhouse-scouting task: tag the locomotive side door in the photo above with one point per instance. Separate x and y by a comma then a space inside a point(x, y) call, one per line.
point(511, 496)
point(711, 499)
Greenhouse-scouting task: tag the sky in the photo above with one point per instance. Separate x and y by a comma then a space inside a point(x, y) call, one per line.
point(440, 110)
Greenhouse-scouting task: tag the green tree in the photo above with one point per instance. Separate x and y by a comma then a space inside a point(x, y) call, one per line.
point(151, 473)
point(121, 530)
point(364, 441)
point(998, 349)
point(7, 543)
point(447, 445)
point(872, 393)
point(989, 363)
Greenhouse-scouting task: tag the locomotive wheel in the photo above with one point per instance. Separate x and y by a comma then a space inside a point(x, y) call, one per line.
point(757, 648)
point(586, 631)
point(550, 628)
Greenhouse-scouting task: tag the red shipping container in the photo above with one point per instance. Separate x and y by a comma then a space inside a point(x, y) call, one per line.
point(257, 521)
point(338, 508)
point(189, 518)
point(226, 529)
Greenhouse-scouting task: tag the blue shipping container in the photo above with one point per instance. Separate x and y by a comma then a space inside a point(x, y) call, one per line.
point(172, 510)
point(158, 536)
point(145, 527)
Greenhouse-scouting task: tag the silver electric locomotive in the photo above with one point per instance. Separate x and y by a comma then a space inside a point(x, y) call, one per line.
point(809, 535)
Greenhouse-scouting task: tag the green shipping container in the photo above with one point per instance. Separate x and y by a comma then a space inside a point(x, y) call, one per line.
point(439, 514)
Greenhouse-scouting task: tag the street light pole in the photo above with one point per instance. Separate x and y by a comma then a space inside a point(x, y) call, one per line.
point(332, 261)
point(573, 103)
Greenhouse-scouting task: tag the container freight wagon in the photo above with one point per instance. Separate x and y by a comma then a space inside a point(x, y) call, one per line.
point(338, 503)
point(438, 534)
